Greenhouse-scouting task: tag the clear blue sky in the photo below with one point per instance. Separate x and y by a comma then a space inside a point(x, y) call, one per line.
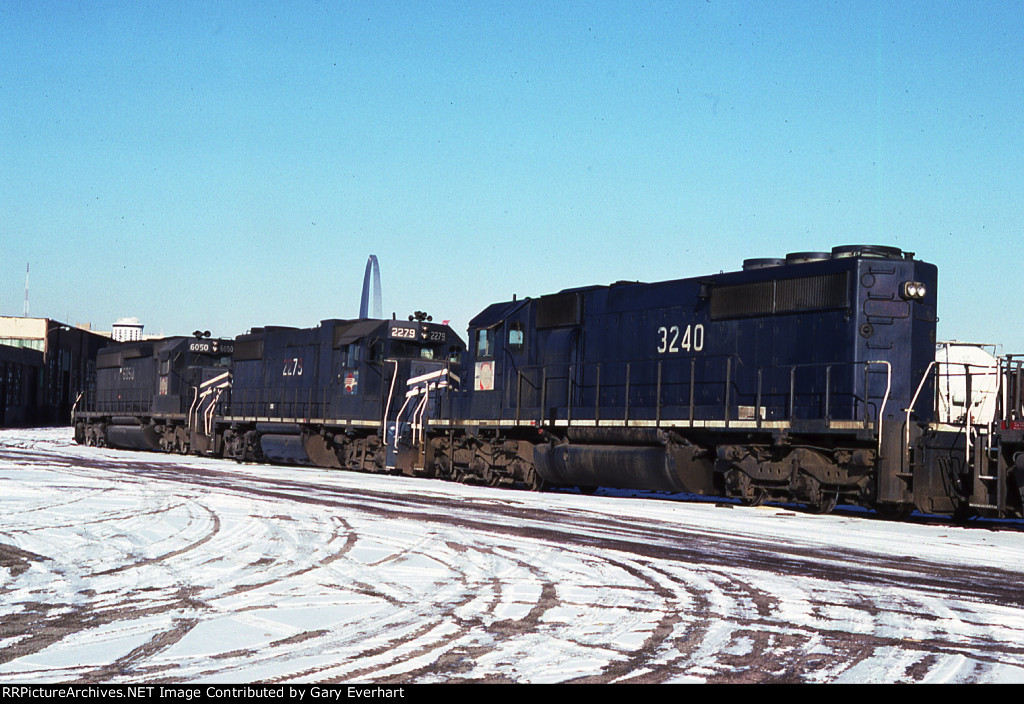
point(228, 165)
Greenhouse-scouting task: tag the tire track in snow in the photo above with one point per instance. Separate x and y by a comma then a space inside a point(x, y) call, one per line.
point(453, 588)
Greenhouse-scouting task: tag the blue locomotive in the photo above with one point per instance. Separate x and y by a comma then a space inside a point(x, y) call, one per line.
point(330, 395)
point(786, 380)
point(809, 379)
point(156, 395)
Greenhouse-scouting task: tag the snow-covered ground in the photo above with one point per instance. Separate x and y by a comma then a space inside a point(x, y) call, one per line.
point(128, 567)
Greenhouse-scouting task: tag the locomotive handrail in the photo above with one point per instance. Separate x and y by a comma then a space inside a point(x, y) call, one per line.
point(283, 402)
point(574, 383)
point(192, 408)
point(419, 412)
point(909, 409)
point(827, 393)
point(398, 416)
point(966, 425)
point(885, 399)
point(525, 395)
point(391, 393)
point(522, 404)
point(1011, 383)
point(424, 384)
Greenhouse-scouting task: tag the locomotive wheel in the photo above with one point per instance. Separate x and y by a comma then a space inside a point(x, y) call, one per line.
point(825, 504)
point(819, 499)
point(535, 482)
point(757, 497)
point(963, 513)
point(491, 476)
point(893, 512)
point(743, 489)
point(181, 443)
point(442, 467)
point(232, 445)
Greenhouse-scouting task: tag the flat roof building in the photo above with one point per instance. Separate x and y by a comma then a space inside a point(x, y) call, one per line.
point(127, 330)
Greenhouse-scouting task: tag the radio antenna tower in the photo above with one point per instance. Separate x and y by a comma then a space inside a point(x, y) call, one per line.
point(26, 290)
point(364, 302)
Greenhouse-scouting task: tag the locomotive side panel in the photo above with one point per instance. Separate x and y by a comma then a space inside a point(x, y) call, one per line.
point(277, 386)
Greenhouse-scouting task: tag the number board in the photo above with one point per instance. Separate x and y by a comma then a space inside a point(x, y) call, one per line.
point(211, 347)
point(417, 331)
point(401, 331)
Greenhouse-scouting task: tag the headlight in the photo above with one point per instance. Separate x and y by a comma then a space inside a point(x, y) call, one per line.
point(913, 290)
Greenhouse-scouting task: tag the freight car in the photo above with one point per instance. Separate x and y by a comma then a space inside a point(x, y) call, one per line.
point(156, 395)
point(21, 372)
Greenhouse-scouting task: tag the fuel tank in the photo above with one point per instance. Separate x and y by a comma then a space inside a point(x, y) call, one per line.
point(284, 449)
point(133, 437)
point(671, 468)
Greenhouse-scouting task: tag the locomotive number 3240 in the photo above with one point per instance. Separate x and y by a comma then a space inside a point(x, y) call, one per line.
point(676, 339)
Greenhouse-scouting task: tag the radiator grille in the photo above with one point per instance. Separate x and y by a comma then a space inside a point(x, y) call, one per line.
point(810, 293)
point(558, 310)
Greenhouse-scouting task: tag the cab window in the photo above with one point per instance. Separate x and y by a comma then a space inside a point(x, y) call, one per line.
point(485, 343)
point(352, 355)
point(516, 337)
